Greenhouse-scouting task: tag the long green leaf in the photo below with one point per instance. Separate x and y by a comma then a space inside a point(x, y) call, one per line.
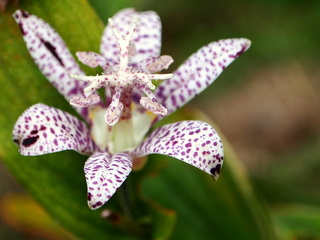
point(297, 221)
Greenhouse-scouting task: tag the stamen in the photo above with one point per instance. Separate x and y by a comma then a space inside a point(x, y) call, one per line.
point(92, 59)
point(153, 106)
point(150, 102)
point(91, 88)
point(82, 102)
point(115, 108)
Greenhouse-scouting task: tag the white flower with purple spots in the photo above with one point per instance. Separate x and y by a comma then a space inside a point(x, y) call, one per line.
point(114, 135)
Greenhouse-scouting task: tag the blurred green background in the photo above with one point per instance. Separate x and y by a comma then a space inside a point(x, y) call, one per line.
point(266, 103)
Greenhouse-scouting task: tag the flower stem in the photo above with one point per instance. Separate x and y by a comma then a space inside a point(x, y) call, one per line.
point(126, 199)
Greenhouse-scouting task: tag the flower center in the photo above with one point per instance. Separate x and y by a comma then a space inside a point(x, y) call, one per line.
point(124, 136)
point(122, 78)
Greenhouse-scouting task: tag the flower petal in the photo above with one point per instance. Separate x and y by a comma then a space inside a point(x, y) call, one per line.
point(104, 174)
point(199, 71)
point(42, 129)
point(194, 142)
point(51, 55)
point(146, 38)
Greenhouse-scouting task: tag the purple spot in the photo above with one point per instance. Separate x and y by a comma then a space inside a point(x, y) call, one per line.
point(74, 91)
point(29, 141)
point(52, 49)
point(174, 143)
point(188, 145)
point(216, 170)
point(243, 49)
point(21, 29)
point(34, 132)
point(24, 14)
point(182, 99)
point(98, 204)
point(174, 101)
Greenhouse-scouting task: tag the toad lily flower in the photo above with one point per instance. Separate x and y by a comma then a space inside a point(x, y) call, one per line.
point(114, 135)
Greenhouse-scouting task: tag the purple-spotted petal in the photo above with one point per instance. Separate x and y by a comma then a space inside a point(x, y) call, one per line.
point(104, 174)
point(42, 129)
point(194, 142)
point(199, 71)
point(51, 55)
point(146, 41)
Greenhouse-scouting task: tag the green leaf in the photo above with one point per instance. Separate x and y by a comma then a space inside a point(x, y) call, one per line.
point(296, 220)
